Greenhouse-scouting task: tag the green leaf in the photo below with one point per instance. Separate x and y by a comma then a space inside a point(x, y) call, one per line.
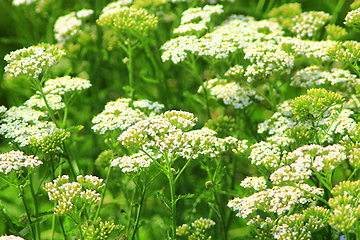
point(150, 80)
point(163, 199)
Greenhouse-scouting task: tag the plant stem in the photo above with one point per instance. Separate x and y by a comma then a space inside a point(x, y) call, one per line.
point(103, 195)
point(138, 214)
point(173, 203)
point(32, 229)
point(36, 207)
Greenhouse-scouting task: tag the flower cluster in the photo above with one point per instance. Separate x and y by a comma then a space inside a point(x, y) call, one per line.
point(66, 193)
point(267, 58)
point(233, 35)
point(167, 136)
point(348, 51)
point(316, 117)
point(295, 226)
point(66, 84)
point(20, 124)
point(231, 93)
point(194, 20)
point(37, 102)
point(30, 62)
point(197, 230)
point(312, 50)
point(69, 25)
point(268, 155)
point(352, 19)
point(277, 200)
point(307, 159)
point(308, 23)
point(119, 115)
point(135, 162)
point(256, 183)
point(14, 160)
point(336, 79)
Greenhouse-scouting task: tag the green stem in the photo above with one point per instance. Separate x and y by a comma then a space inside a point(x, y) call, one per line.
point(103, 195)
point(335, 14)
point(212, 178)
point(32, 229)
point(158, 73)
point(36, 207)
point(129, 67)
point(194, 70)
point(173, 203)
point(138, 214)
point(50, 110)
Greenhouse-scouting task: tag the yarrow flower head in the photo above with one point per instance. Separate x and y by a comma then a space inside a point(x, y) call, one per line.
point(66, 193)
point(231, 93)
point(194, 20)
point(255, 183)
point(67, 84)
point(231, 36)
point(69, 25)
point(24, 124)
point(119, 115)
point(14, 160)
point(30, 62)
point(337, 80)
point(307, 159)
point(277, 200)
point(352, 19)
point(307, 24)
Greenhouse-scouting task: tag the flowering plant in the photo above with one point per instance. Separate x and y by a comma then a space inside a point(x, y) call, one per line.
point(176, 119)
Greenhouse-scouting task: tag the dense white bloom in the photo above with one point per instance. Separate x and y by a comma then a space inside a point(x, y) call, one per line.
point(14, 160)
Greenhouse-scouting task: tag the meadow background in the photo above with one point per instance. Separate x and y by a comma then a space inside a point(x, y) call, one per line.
point(173, 85)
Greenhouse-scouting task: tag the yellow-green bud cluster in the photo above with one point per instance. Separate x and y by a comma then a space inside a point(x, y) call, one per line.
point(314, 103)
point(50, 142)
point(224, 125)
point(349, 51)
point(30, 62)
point(355, 4)
point(345, 207)
point(97, 230)
point(335, 32)
point(128, 21)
